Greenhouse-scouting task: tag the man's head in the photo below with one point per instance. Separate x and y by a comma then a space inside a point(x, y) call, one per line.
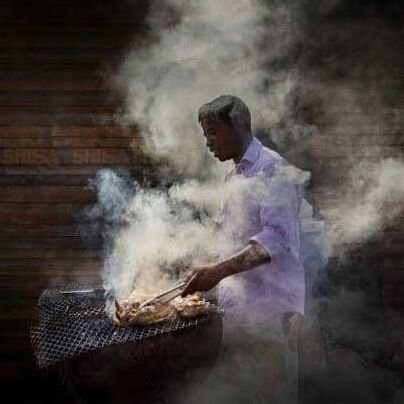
point(226, 124)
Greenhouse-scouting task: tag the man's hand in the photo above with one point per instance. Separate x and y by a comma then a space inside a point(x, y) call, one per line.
point(205, 277)
point(202, 279)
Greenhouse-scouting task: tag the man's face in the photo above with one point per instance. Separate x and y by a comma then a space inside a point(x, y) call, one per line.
point(221, 139)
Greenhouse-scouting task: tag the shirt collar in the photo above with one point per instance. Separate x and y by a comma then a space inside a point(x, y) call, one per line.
point(251, 155)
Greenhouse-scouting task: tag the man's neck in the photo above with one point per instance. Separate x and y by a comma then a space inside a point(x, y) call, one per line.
point(245, 143)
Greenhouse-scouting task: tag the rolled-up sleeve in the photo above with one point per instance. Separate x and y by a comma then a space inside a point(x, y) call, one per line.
point(278, 212)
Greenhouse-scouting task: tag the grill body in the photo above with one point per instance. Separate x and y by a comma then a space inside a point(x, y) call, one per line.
point(146, 369)
point(73, 337)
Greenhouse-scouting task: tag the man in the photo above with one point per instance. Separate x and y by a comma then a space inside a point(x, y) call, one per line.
point(261, 284)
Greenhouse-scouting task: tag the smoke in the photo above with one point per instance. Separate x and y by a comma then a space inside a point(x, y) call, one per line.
point(372, 199)
point(161, 233)
point(224, 47)
point(199, 48)
point(163, 237)
point(249, 48)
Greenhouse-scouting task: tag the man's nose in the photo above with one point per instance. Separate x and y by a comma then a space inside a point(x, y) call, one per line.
point(209, 141)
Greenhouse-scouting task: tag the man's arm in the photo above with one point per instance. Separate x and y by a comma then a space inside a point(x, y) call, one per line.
point(206, 277)
point(279, 216)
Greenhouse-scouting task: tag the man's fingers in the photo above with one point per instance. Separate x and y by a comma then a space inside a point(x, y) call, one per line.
point(189, 276)
point(187, 291)
point(190, 287)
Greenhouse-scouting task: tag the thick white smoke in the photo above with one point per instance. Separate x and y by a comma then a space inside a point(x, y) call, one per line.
point(164, 233)
point(167, 231)
point(217, 47)
point(239, 47)
point(213, 48)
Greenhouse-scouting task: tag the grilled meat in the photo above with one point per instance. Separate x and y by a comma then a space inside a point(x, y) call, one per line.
point(129, 313)
point(193, 306)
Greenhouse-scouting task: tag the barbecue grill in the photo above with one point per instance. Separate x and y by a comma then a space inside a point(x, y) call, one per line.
point(71, 332)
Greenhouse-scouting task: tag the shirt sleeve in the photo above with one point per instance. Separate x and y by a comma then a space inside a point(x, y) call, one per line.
point(278, 212)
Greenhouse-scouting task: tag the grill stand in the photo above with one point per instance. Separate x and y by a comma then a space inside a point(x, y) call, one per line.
point(74, 339)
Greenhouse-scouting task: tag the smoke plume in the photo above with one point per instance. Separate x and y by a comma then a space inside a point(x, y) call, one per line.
point(248, 48)
point(166, 232)
point(198, 50)
point(215, 48)
point(372, 199)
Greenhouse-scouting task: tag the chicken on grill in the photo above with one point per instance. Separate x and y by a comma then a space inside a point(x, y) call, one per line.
point(193, 306)
point(129, 312)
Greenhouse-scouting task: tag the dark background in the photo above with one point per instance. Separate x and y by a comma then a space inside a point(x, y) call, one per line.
point(58, 127)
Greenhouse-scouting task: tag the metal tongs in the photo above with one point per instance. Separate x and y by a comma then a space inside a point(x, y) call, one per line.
point(168, 293)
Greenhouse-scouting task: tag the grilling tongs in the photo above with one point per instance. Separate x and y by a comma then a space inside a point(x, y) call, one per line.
point(168, 293)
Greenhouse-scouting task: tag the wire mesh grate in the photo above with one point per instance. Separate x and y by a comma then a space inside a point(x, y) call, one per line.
point(70, 324)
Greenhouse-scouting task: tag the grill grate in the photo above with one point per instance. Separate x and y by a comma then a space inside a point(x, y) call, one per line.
point(69, 324)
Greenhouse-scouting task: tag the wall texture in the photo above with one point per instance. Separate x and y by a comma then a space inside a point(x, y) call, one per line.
point(57, 128)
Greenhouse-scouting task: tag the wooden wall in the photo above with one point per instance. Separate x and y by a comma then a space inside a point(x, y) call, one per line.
point(57, 129)
point(356, 84)
point(353, 97)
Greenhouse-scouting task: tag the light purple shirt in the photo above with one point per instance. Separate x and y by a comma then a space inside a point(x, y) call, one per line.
point(268, 205)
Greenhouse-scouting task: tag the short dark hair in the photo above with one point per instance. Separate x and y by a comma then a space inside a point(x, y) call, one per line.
point(227, 108)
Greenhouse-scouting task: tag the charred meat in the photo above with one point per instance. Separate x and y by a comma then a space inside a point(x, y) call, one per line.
point(193, 306)
point(130, 312)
